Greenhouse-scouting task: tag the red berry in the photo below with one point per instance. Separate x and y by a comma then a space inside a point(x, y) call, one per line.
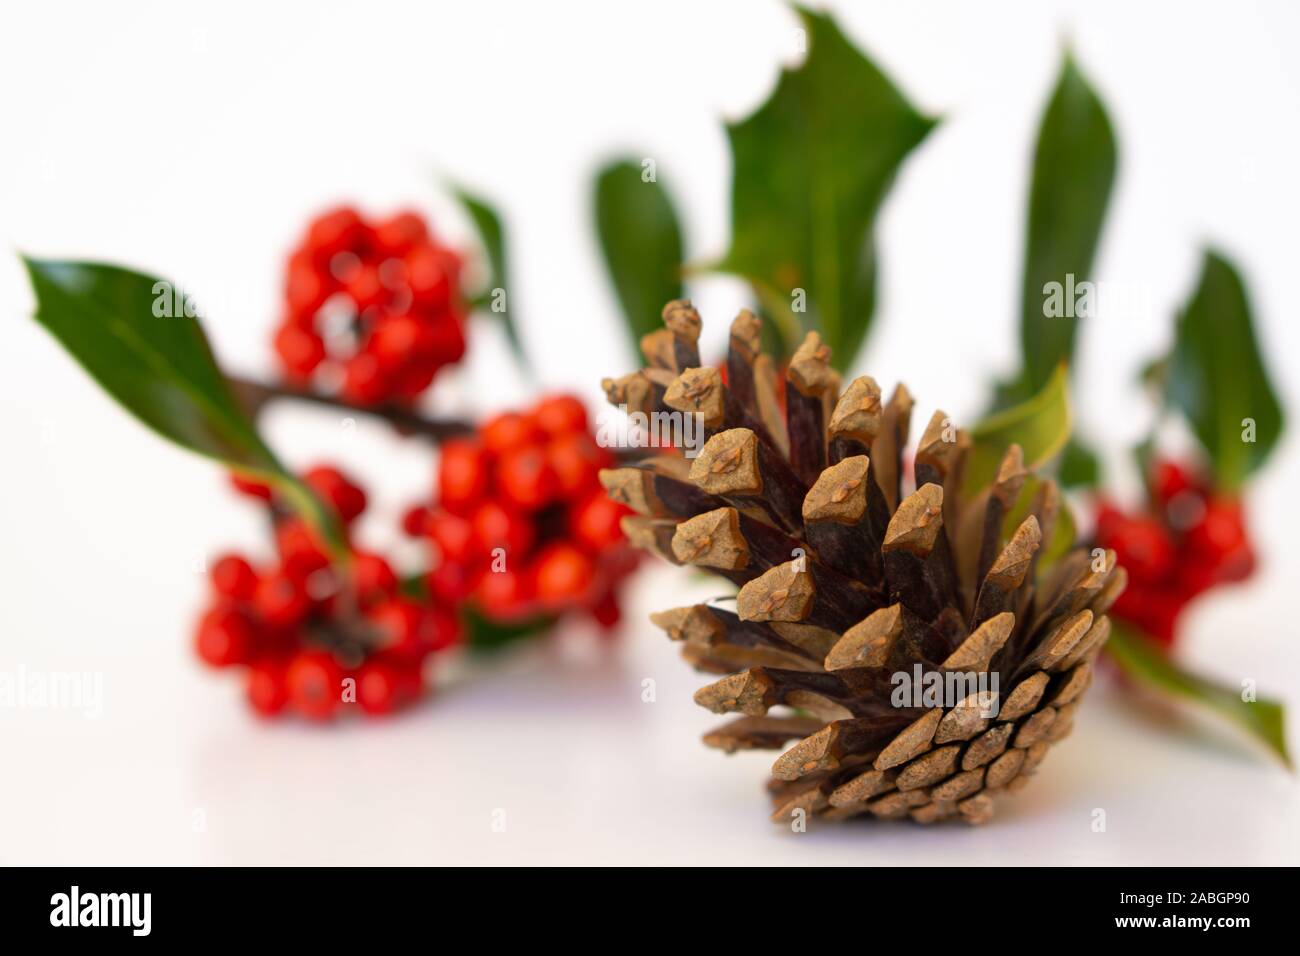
point(250, 487)
point(314, 681)
point(301, 553)
point(379, 688)
point(446, 628)
point(452, 582)
point(508, 431)
point(561, 414)
point(1169, 479)
point(576, 460)
point(595, 522)
point(1143, 547)
point(405, 624)
point(1221, 530)
point(443, 340)
point(267, 691)
point(364, 381)
point(563, 574)
point(1194, 576)
point(280, 600)
point(300, 350)
point(415, 521)
point(607, 612)
point(306, 288)
point(398, 234)
point(454, 537)
point(496, 526)
point(347, 497)
point(224, 637)
point(233, 577)
point(1109, 517)
point(505, 595)
point(337, 230)
point(373, 578)
point(525, 479)
point(365, 288)
point(430, 272)
point(395, 339)
point(462, 475)
point(1154, 610)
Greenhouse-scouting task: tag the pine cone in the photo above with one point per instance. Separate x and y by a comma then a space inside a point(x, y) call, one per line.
point(848, 584)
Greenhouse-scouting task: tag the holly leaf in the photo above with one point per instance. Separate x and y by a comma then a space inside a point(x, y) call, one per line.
point(812, 166)
point(1142, 660)
point(485, 636)
point(1217, 378)
point(1040, 426)
point(642, 244)
point(1080, 467)
point(495, 297)
point(1074, 169)
point(139, 337)
point(1064, 531)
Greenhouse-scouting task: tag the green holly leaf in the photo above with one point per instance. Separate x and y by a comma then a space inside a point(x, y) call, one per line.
point(1040, 426)
point(1080, 466)
point(1217, 378)
point(495, 297)
point(812, 166)
point(1141, 659)
point(485, 636)
point(642, 244)
point(1074, 169)
point(1064, 530)
point(139, 337)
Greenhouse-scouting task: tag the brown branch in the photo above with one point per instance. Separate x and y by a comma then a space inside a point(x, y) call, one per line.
point(254, 396)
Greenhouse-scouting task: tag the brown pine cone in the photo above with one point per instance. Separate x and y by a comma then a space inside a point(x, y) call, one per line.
point(925, 649)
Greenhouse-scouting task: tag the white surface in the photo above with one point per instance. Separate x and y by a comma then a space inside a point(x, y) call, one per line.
point(196, 147)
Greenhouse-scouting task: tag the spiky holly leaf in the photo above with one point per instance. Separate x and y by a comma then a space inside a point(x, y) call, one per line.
point(1217, 377)
point(1143, 661)
point(642, 243)
point(1064, 531)
point(1074, 170)
point(495, 297)
point(1040, 426)
point(812, 167)
point(138, 336)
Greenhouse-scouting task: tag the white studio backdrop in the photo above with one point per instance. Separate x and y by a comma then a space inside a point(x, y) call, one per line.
point(196, 145)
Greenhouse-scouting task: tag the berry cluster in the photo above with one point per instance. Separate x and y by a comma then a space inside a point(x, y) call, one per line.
point(315, 637)
point(1188, 539)
point(372, 309)
point(520, 524)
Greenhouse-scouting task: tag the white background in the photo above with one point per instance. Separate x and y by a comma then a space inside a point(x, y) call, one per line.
point(195, 146)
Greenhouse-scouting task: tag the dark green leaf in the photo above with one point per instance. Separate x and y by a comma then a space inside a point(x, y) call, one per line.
point(642, 243)
point(812, 167)
point(137, 336)
point(1040, 426)
point(1217, 377)
point(496, 297)
point(1080, 467)
point(1074, 168)
point(1143, 455)
point(1143, 661)
point(485, 635)
point(1063, 530)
